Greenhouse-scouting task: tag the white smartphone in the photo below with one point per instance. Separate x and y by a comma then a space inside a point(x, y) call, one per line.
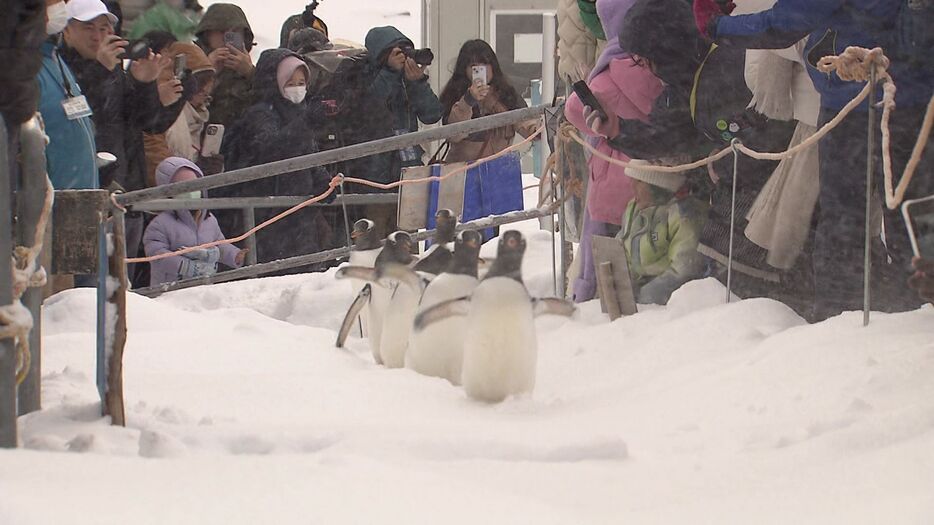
point(919, 219)
point(479, 73)
point(213, 137)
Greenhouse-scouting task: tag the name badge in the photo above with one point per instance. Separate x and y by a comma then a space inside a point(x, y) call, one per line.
point(76, 107)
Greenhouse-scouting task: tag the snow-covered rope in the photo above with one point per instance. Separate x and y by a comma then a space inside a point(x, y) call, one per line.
point(332, 186)
point(15, 319)
point(854, 64)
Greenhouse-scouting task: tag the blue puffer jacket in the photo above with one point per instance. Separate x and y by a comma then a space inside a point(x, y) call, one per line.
point(71, 153)
point(833, 25)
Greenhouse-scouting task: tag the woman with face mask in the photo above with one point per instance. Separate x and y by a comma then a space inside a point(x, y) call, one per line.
point(280, 125)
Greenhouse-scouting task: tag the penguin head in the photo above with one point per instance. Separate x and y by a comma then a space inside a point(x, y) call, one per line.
point(364, 235)
point(468, 240)
point(466, 253)
point(445, 224)
point(509, 255)
point(399, 246)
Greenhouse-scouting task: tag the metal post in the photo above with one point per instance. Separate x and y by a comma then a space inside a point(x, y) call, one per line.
point(249, 222)
point(7, 347)
point(102, 272)
point(30, 200)
point(549, 47)
point(867, 251)
point(729, 262)
point(344, 210)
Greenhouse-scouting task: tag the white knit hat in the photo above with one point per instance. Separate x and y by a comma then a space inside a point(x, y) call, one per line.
point(668, 181)
point(87, 10)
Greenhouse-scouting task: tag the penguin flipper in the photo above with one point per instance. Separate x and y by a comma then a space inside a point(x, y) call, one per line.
point(352, 313)
point(357, 272)
point(402, 274)
point(553, 306)
point(441, 311)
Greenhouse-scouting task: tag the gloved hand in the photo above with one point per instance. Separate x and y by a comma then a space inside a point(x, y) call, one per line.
point(597, 124)
point(706, 13)
point(210, 255)
point(190, 269)
point(923, 279)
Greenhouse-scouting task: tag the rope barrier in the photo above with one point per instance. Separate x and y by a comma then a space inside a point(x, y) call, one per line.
point(15, 319)
point(336, 182)
point(852, 65)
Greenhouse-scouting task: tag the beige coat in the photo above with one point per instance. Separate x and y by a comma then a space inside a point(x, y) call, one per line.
point(467, 148)
point(578, 49)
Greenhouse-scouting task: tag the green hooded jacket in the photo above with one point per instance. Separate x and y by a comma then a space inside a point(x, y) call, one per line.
point(661, 246)
point(232, 91)
point(163, 17)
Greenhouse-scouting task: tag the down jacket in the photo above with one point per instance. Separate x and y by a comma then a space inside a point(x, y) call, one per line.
point(577, 47)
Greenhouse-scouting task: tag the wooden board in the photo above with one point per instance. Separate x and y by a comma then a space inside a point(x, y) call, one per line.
point(414, 199)
point(608, 249)
point(75, 220)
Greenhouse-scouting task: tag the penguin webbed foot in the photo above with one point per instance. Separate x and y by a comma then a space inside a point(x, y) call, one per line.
point(442, 311)
point(352, 313)
point(553, 306)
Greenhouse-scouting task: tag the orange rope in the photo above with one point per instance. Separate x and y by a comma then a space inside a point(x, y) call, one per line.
point(335, 182)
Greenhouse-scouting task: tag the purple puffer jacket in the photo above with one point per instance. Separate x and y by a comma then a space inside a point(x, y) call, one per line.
point(173, 230)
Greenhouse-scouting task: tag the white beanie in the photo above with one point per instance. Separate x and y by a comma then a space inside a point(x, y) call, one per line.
point(668, 181)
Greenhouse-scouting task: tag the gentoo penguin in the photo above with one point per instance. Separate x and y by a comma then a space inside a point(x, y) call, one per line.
point(500, 348)
point(366, 248)
point(438, 349)
point(396, 250)
point(400, 313)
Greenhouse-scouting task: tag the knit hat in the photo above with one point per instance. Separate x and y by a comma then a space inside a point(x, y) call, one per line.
point(668, 181)
point(286, 68)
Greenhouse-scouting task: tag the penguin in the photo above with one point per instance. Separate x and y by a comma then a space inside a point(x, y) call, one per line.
point(500, 347)
point(406, 292)
point(396, 250)
point(438, 349)
point(366, 248)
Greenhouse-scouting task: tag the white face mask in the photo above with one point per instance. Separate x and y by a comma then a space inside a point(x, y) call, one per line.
point(295, 94)
point(58, 18)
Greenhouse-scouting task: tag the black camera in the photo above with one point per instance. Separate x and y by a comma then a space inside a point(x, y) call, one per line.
point(422, 57)
point(136, 50)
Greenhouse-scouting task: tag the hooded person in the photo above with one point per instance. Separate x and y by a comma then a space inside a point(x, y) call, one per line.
point(626, 89)
point(166, 15)
point(703, 108)
point(279, 126)
point(234, 67)
point(174, 230)
point(400, 95)
point(183, 138)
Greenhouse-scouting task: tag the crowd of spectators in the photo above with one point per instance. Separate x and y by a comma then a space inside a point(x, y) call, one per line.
point(175, 95)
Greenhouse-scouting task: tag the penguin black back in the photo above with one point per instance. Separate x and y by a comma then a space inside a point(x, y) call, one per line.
point(440, 257)
point(397, 250)
point(466, 254)
point(509, 255)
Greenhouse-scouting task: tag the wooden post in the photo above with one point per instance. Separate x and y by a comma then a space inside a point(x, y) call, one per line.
point(114, 406)
point(7, 346)
point(608, 290)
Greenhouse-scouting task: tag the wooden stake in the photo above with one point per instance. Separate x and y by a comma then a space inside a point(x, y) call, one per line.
point(114, 406)
point(608, 290)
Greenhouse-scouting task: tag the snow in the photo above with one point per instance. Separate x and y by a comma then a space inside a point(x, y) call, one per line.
point(240, 410)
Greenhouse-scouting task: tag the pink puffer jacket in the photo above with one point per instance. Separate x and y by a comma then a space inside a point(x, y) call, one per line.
point(628, 91)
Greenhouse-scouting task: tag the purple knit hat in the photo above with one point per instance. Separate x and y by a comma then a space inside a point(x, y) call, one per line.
point(611, 13)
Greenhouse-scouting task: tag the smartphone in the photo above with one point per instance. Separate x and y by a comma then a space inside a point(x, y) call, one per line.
point(479, 73)
point(919, 219)
point(180, 65)
point(587, 97)
point(235, 39)
point(213, 137)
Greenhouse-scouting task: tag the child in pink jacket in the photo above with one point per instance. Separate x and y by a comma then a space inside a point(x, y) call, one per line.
point(628, 90)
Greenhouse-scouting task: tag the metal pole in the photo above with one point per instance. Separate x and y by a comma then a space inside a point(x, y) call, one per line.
point(249, 222)
point(30, 199)
point(7, 347)
point(275, 201)
point(329, 255)
point(323, 158)
point(344, 210)
point(729, 263)
point(867, 250)
point(549, 47)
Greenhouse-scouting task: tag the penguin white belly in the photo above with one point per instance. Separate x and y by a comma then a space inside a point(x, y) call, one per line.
point(500, 348)
point(366, 258)
point(397, 326)
point(379, 302)
point(438, 350)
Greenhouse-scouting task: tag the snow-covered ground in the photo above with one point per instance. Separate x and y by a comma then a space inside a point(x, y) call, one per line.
point(241, 411)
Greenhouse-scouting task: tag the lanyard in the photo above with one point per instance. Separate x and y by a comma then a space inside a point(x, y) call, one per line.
point(66, 85)
point(697, 81)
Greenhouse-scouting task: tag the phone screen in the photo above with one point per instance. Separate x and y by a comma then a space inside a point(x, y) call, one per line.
point(479, 73)
point(235, 39)
point(919, 218)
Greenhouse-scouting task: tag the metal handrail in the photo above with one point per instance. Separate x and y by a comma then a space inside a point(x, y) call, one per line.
point(233, 203)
